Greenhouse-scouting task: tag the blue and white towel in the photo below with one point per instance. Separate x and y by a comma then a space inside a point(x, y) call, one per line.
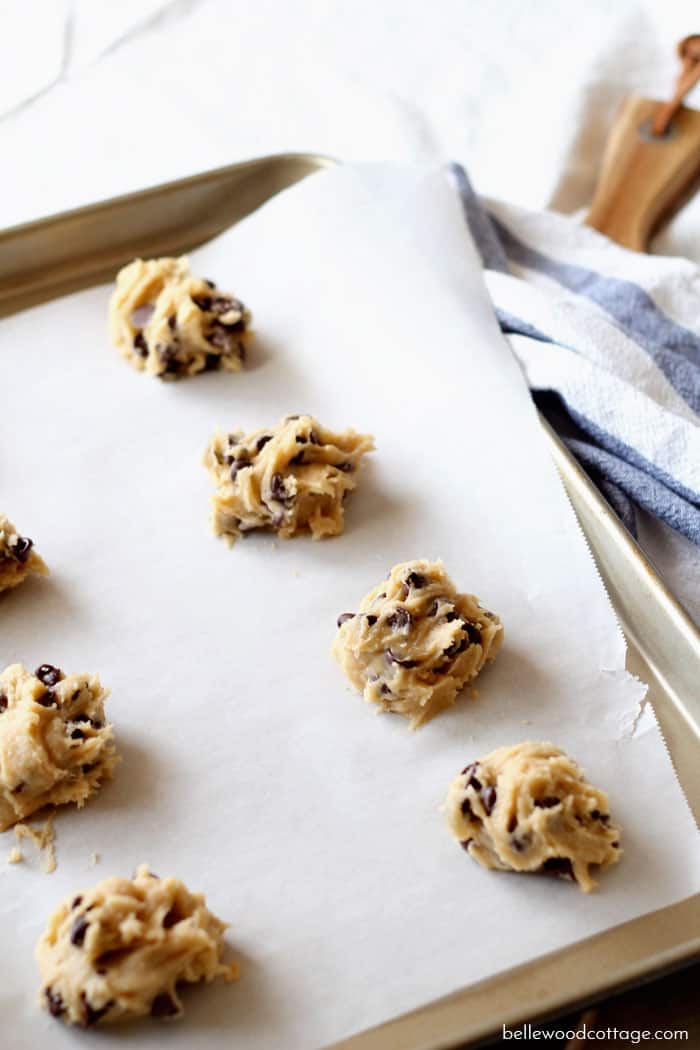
point(609, 341)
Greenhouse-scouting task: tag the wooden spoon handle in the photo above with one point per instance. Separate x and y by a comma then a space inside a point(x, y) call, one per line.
point(644, 178)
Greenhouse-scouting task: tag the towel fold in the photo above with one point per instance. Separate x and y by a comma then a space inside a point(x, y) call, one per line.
point(609, 341)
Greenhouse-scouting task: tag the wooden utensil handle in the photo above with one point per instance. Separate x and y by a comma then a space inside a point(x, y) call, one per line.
point(644, 177)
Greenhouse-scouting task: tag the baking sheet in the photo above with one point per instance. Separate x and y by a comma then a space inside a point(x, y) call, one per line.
point(250, 770)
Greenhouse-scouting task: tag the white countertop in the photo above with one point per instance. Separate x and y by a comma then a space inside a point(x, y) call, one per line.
point(99, 98)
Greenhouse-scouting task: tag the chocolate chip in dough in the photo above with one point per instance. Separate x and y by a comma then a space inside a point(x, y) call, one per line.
point(21, 548)
point(91, 1015)
point(396, 660)
point(344, 617)
point(78, 931)
point(48, 674)
point(488, 799)
point(560, 866)
point(164, 1006)
point(416, 580)
point(399, 619)
point(54, 1002)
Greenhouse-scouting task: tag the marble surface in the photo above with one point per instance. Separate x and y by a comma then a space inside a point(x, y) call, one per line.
point(99, 98)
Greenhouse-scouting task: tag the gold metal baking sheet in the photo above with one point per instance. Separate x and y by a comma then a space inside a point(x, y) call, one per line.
point(64, 253)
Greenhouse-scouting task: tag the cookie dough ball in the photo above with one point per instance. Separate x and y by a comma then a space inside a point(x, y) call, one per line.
point(55, 745)
point(17, 556)
point(291, 478)
point(120, 949)
point(529, 808)
point(415, 641)
point(169, 323)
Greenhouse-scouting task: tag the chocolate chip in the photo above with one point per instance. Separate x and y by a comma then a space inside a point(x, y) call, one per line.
point(399, 619)
point(278, 490)
point(347, 468)
point(212, 362)
point(416, 580)
point(48, 674)
point(19, 787)
point(241, 461)
point(78, 931)
point(473, 632)
point(371, 620)
point(615, 845)
point(385, 690)
point(82, 717)
point(262, 441)
point(47, 699)
point(604, 818)
point(140, 345)
point(164, 1006)
point(548, 802)
point(466, 808)
point(112, 958)
point(21, 548)
point(469, 772)
point(488, 799)
point(466, 843)
point(54, 1002)
point(172, 322)
point(222, 304)
point(314, 438)
point(168, 358)
point(455, 649)
point(288, 419)
point(519, 844)
point(395, 660)
point(210, 283)
point(3, 703)
point(172, 917)
point(301, 439)
point(76, 901)
point(91, 1015)
point(432, 608)
point(88, 767)
point(202, 301)
point(512, 823)
point(77, 734)
point(297, 461)
point(222, 337)
point(560, 866)
point(344, 617)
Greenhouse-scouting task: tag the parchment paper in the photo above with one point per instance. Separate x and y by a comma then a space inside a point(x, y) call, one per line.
point(250, 769)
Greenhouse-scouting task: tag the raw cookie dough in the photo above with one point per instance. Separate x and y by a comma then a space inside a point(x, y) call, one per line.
point(169, 323)
point(17, 556)
point(291, 478)
point(55, 745)
point(415, 641)
point(529, 808)
point(120, 949)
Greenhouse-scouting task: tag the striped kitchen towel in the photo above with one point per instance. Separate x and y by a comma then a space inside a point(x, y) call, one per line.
point(609, 341)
